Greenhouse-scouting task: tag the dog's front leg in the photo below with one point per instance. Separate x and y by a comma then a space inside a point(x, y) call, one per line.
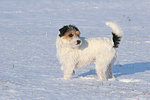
point(68, 71)
point(63, 68)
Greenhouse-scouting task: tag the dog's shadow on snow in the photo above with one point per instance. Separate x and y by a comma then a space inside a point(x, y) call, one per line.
point(125, 69)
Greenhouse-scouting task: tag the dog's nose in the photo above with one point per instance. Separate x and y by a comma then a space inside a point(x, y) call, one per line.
point(78, 41)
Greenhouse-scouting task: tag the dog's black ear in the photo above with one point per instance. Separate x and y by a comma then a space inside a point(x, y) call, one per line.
point(74, 27)
point(63, 31)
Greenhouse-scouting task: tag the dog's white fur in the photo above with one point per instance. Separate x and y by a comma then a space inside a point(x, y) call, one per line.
point(97, 50)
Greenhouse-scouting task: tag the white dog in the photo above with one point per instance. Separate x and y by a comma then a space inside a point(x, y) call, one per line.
point(75, 52)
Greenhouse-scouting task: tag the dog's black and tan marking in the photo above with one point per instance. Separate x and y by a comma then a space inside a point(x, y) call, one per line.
point(67, 28)
point(69, 32)
point(116, 40)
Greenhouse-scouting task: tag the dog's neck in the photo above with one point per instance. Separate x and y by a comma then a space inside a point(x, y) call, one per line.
point(62, 49)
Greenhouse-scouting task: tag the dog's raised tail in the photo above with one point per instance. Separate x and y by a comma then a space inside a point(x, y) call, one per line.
point(117, 33)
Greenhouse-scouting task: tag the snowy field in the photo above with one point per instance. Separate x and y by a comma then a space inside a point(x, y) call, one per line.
point(29, 69)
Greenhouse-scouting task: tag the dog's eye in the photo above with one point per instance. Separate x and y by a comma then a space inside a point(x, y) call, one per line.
point(70, 35)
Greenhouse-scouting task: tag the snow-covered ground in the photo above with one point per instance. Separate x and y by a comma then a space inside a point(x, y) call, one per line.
point(29, 69)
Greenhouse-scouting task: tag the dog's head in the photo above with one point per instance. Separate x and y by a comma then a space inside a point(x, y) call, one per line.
point(70, 36)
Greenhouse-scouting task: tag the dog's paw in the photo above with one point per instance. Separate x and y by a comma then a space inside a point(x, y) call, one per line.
point(66, 78)
point(103, 78)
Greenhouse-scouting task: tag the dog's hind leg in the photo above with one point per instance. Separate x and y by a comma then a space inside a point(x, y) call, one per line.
point(101, 69)
point(109, 71)
point(104, 66)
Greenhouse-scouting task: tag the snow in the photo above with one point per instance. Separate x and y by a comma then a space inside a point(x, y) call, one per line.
point(29, 69)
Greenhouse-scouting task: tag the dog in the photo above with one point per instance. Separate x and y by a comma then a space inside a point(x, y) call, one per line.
point(74, 51)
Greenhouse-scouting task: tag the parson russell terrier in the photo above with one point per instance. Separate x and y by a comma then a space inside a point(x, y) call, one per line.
point(74, 51)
